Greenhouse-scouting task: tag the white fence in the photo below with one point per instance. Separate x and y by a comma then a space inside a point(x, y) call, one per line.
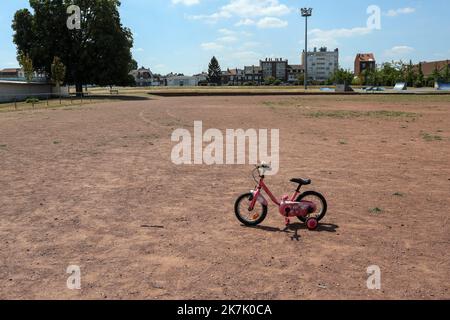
point(11, 91)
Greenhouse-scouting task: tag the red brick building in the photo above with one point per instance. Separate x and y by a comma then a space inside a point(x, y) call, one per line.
point(429, 67)
point(364, 61)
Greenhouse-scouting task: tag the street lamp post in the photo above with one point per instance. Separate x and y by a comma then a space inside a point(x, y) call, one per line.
point(306, 12)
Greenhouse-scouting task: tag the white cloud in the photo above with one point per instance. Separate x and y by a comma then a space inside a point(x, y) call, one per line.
point(263, 23)
point(246, 56)
point(271, 22)
point(246, 9)
point(238, 58)
point(330, 37)
point(250, 44)
point(245, 22)
point(11, 64)
point(251, 8)
point(227, 39)
point(138, 50)
point(186, 2)
point(397, 12)
point(227, 32)
point(159, 68)
point(398, 51)
point(212, 46)
point(228, 36)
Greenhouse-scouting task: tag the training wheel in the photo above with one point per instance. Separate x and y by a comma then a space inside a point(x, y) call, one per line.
point(312, 224)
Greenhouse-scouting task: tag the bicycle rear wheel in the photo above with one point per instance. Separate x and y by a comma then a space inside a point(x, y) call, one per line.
point(319, 201)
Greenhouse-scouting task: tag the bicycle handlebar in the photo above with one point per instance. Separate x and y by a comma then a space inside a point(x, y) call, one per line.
point(264, 166)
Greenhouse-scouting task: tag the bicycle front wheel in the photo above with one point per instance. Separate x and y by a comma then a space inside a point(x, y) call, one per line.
point(249, 217)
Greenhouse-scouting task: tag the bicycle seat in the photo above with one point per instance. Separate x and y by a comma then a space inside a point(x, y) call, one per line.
point(302, 182)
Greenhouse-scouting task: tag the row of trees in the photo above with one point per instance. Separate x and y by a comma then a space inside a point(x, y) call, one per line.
point(97, 53)
point(57, 69)
point(391, 73)
point(388, 75)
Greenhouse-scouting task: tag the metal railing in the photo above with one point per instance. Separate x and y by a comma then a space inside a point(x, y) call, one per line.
point(34, 99)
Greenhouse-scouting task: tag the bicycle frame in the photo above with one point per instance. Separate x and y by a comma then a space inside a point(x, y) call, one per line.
point(257, 196)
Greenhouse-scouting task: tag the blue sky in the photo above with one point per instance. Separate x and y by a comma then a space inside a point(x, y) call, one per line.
point(182, 35)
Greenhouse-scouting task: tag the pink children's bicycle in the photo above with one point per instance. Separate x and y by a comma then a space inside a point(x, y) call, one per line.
point(309, 207)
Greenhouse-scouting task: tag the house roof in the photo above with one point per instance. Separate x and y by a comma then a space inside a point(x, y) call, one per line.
point(251, 69)
point(10, 70)
point(365, 57)
point(429, 67)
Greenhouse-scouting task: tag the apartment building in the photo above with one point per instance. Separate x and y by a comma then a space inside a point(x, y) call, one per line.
point(321, 63)
point(294, 72)
point(253, 74)
point(233, 77)
point(275, 68)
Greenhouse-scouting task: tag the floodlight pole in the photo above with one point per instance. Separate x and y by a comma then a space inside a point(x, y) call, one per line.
point(306, 12)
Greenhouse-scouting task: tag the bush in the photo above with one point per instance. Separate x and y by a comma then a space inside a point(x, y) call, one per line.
point(418, 84)
point(269, 81)
point(277, 82)
point(32, 100)
point(356, 82)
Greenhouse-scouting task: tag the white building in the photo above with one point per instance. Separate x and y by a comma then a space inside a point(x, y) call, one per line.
point(321, 63)
point(184, 81)
point(144, 77)
point(17, 74)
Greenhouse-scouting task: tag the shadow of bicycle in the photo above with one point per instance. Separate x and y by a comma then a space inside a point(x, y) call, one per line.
point(294, 228)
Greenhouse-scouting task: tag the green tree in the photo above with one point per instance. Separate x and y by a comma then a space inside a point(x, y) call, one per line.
point(392, 73)
point(58, 72)
point(435, 76)
point(133, 65)
point(270, 81)
point(411, 75)
point(27, 65)
point(342, 76)
point(214, 72)
point(301, 79)
point(446, 73)
point(420, 77)
point(23, 38)
point(99, 53)
point(374, 77)
point(356, 81)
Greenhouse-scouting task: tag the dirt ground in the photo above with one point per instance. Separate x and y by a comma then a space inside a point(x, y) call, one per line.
point(94, 186)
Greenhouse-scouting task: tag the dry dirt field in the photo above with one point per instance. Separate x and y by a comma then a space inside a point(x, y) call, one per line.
point(94, 186)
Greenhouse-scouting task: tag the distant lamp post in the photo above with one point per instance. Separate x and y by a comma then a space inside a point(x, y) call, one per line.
point(306, 12)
